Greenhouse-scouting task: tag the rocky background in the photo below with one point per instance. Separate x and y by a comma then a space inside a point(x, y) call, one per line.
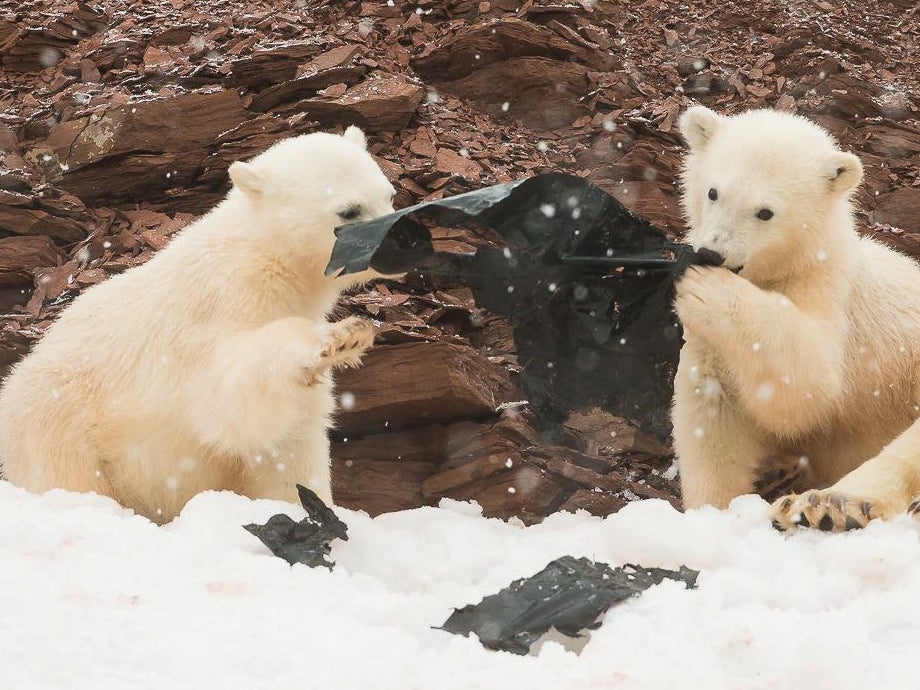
point(118, 120)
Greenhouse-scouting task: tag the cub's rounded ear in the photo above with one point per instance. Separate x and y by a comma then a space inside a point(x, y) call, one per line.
point(246, 178)
point(355, 136)
point(698, 124)
point(845, 171)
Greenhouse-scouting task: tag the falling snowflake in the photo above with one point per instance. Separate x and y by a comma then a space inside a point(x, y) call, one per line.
point(764, 391)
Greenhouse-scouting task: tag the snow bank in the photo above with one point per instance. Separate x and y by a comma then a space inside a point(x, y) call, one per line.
point(94, 597)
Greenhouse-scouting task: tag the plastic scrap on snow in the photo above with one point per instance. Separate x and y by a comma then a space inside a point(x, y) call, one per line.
point(307, 541)
point(568, 595)
point(586, 284)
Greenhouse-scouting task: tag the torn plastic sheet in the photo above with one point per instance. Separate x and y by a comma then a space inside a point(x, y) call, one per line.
point(586, 284)
point(568, 595)
point(307, 541)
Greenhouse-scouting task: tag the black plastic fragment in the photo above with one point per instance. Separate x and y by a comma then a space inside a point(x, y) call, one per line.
point(568, 594)
point(586, 284)
point(307, 541)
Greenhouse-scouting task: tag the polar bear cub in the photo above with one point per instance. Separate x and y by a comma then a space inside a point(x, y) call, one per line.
point(803, 348)
point(208, 367)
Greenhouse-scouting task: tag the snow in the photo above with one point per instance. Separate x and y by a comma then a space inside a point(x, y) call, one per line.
point(95, 597)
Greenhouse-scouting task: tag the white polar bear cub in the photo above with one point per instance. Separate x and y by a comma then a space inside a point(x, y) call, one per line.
point(803, 349)
point(208, 366)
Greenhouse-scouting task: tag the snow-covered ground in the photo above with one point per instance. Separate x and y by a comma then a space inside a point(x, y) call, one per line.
point(93, 597)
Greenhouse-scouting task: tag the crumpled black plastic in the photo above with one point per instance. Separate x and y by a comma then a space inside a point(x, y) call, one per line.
point(307, 541)
point(586, 284)
point(568, 594)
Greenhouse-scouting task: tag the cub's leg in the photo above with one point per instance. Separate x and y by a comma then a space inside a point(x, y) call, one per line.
point(885, 486)
point(718, 448)
point(301, 459)
point(259, 385)
point(47, 438)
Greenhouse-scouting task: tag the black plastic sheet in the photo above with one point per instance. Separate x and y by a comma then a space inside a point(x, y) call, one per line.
point(307, 541)
point(586, 284)
point(568, 595)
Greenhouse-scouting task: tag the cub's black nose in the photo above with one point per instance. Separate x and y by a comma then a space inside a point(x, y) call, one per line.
point(708, 257)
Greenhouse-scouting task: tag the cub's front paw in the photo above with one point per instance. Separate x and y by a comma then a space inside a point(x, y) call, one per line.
point(706, 297)
point(342, 346)
point(826, 510)
point(347, 341)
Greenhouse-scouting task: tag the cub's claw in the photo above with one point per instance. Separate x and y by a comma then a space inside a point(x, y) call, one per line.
point(826, 510)
point(346, 342)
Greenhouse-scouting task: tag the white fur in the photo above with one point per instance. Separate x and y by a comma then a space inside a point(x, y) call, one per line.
point(206, 367)
point(813, 348)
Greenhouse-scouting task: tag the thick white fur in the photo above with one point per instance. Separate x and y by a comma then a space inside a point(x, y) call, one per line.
point(812, 349)
point(206, 367)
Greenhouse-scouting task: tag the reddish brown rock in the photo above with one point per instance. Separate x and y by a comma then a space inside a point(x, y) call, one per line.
point(181, 124)
point(419, 383)
point(900, 208)
point(271, 64)
point(19, 255)
point(380, 102)
point(474, 47)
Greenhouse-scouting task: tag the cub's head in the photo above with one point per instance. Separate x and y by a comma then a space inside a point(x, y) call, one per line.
point(302, 188)
point(766, 190)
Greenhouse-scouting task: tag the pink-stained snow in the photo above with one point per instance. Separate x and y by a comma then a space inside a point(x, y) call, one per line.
point(95, 598)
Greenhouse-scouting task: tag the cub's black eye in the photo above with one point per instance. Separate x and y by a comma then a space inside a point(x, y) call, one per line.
point(713, 194)
point(350, 213)
point(765, 214)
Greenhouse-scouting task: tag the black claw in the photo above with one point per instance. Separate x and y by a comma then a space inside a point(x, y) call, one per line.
point(813, 498)
point(866, 508)
point(914, 508)
point(851, 523)
point(777, 526)
point(826, 524)
point(802, 521)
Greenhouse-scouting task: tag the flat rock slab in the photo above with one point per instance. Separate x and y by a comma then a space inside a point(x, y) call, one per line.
point(419, 383)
